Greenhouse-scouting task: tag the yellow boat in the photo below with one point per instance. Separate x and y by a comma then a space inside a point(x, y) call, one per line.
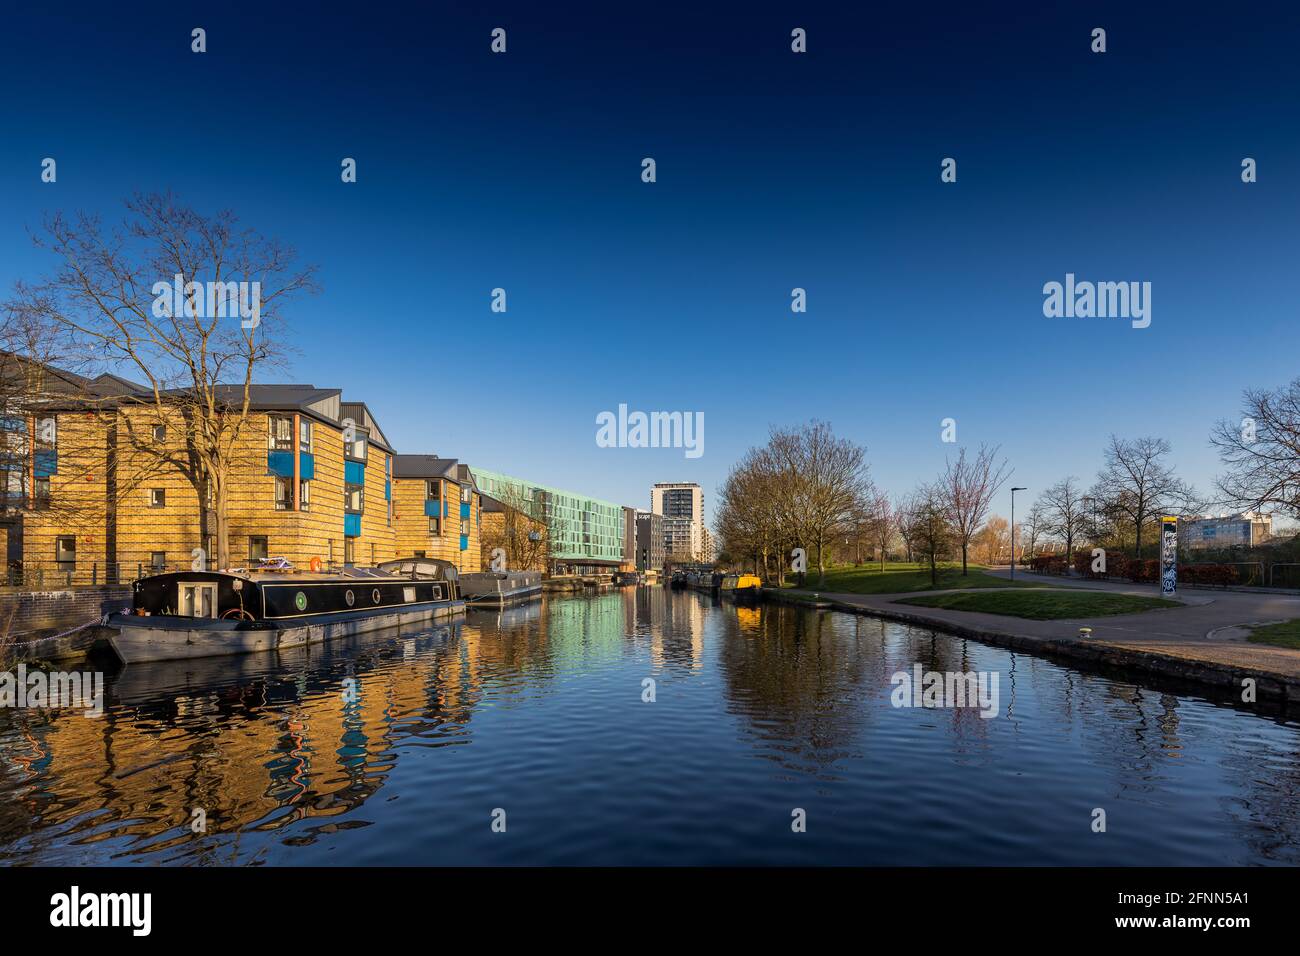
point(741, 585)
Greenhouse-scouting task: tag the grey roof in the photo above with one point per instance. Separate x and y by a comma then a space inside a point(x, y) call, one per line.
point(466, 476)
point(424, 466)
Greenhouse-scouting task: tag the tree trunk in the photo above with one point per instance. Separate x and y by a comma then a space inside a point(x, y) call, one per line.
point(964, 546)
point(222, 529)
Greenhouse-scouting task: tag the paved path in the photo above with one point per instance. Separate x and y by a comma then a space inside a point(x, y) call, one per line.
point(1203, 639)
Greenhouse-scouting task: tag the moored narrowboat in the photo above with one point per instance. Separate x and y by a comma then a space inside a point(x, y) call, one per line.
point(501, 588)
point(187, 614)
point(741, 587)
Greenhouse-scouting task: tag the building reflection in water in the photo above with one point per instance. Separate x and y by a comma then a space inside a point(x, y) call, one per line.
point(295, 745)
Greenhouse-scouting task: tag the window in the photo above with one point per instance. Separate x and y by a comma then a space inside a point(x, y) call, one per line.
point(435, 526)
point(257, 548)
point(157, 560)
point(464, 494)
point(464, 526)
point(420, 554)
point(65, 553)
point(157, 497)
point(433, 490)
point(304, 495)
point(304, 435)
point(349, 545)
point(160, 434)
point(47, 432)
point(356, 449)
point(283, 494)
point(281, 437)
point(197, 600)
point(42, 493)
point(354, 498)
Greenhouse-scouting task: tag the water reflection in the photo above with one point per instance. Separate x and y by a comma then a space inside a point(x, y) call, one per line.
point(393, 748)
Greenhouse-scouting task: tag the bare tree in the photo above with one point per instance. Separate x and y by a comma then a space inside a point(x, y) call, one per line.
point(1137, 483)
point(882, 524)
point(110, 297)
point(969, 486)
point(1064, 511)
point(1032, 528)
point(929, 526)
point(522, 534)
point(1262, 451)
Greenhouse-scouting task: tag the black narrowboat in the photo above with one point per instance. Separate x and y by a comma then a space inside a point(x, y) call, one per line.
point(186, 614)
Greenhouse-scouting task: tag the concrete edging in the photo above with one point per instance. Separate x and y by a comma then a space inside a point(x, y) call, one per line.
point(1223, 677)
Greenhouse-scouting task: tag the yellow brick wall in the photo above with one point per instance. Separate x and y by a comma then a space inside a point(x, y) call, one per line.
point(77, 497)
point(80, 497)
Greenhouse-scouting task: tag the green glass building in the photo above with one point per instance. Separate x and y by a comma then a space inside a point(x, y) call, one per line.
point(585, 533)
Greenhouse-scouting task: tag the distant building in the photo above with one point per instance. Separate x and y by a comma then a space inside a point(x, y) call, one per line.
point(1244, 530)
point(649, 542)
point(681, 505)
point(585, 535)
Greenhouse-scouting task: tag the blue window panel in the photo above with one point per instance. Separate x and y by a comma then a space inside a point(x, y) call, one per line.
point(388, 491)
point(446, 509)
point(46, 463)
point(431, 508)
point(352, 526)
point(464, 509)
point(280, 463)
point(354, 472)
point(464, 542)
point(306, 466)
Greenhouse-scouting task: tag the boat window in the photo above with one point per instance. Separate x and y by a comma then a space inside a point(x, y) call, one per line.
point(408, 594)
point(198, 600)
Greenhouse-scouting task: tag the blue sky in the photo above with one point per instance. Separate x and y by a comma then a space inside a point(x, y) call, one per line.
point(775, 170)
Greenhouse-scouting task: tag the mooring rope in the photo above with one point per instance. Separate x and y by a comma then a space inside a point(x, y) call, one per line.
point(53, 637)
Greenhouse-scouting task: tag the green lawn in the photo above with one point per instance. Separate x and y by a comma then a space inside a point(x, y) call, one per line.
point(1286, 634)
point(898, 578)
point(1043, 605)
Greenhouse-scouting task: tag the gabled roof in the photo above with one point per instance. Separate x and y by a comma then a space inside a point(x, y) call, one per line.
point(425, 466)
point(360, 414)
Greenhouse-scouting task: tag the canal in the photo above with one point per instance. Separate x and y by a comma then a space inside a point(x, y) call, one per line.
point(643, 726)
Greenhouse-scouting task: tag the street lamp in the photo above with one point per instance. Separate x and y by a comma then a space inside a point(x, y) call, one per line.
point(1013, 530)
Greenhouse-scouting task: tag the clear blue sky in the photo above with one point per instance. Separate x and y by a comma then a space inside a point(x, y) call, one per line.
point(774, 171)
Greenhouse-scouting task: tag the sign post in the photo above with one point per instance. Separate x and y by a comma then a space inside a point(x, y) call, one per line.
point(1168, 554)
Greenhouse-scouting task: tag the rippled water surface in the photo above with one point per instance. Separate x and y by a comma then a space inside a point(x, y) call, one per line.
point(539, 712)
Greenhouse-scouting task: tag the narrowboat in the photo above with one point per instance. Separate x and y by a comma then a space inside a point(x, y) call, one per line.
point(501, 588)
point(187, 614)
point(678, 579)
point(741, 587)
point(626, 578)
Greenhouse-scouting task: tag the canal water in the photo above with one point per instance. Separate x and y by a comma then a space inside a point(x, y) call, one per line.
point(528, 737)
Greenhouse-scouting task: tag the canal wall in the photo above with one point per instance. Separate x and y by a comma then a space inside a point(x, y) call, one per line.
point(1223, 676)
point(31, 619)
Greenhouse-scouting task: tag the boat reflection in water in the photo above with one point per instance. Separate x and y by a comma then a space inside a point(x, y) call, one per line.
point(396, 747)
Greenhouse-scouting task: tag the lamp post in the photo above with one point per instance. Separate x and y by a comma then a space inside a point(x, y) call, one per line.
point(1013, 530)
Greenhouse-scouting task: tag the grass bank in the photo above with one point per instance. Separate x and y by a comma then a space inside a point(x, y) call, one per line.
point(1042, 604)
point(1285, 634)
point(900, 578)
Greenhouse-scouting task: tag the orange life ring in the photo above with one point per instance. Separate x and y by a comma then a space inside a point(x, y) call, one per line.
point(315, 565)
